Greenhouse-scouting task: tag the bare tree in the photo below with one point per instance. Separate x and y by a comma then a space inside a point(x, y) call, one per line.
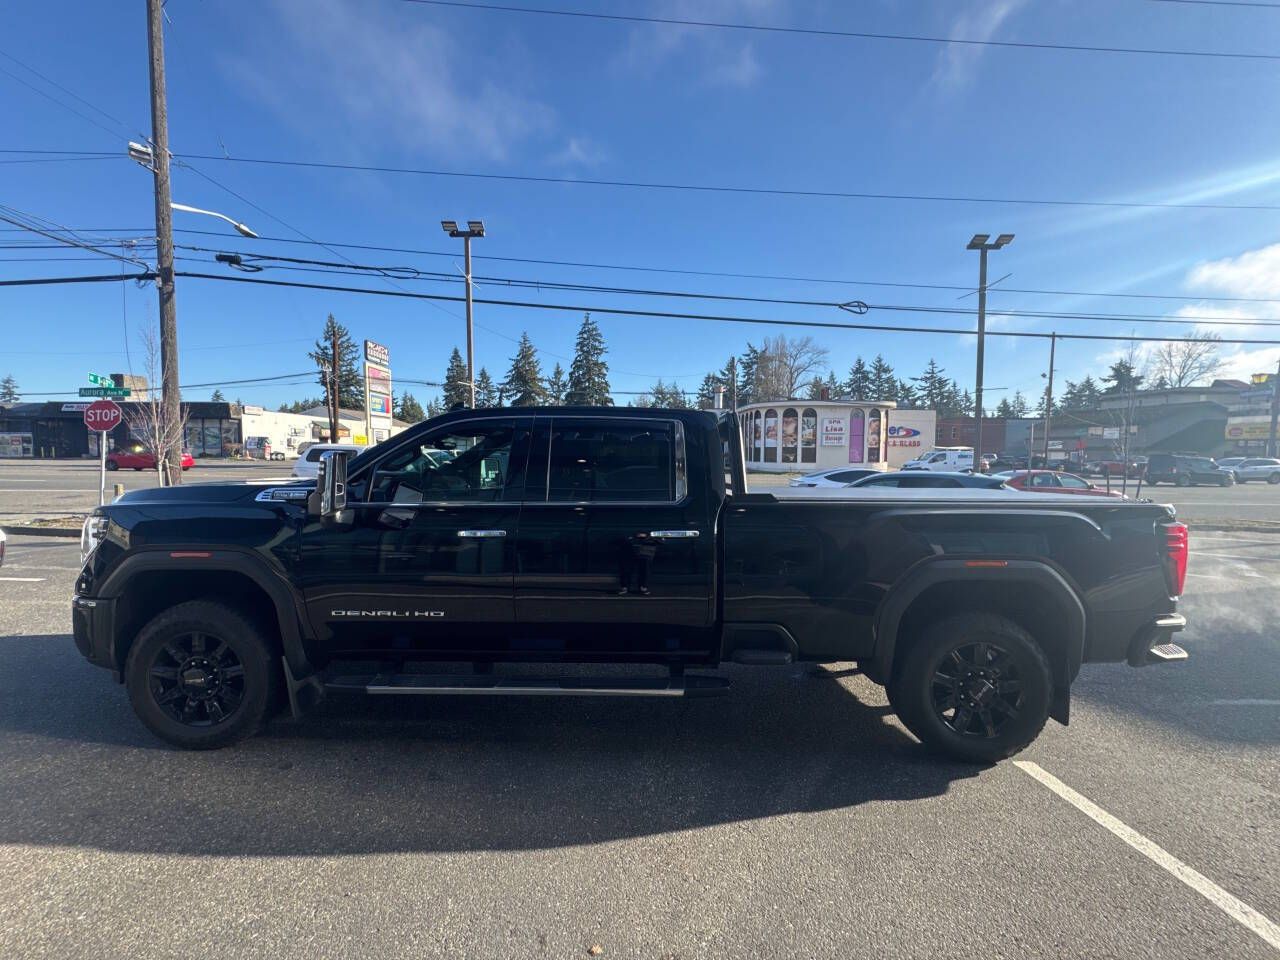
point(1182, 363)
point(784, 364)
point(146, 418)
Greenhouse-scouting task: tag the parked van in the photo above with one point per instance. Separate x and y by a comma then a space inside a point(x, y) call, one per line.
point(953, 459)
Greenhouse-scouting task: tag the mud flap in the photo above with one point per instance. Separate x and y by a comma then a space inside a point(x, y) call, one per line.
point(1060, 705)
point(303, 694)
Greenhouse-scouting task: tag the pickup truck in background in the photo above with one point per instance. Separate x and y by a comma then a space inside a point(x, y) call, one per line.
point(570, 536)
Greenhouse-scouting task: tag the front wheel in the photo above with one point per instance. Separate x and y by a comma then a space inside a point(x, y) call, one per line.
point(200, 675)
point(1228, 481)
point(112, 465)
point(1184, 481)
point(1274, 478)
point(975, 687)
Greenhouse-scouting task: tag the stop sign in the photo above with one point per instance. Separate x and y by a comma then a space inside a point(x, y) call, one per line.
point(102, 415)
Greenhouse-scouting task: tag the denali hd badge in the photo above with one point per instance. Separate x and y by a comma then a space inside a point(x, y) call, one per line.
point(393, 614)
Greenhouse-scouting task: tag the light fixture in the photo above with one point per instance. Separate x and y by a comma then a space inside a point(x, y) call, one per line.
point(449, 226)
point(1003, 240)
point(979, 241)
point(476, 227)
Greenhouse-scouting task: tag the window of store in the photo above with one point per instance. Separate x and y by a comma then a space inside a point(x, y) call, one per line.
point(857, 436)
point(193, 437)
point(771, 436)
point(790, 438)
point(809, 436)
point(873, 437)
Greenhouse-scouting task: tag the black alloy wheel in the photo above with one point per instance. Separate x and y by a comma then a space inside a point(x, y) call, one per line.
point(977, 690)
point(197, 680)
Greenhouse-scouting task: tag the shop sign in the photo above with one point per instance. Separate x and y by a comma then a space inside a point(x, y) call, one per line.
point(253, 411)
point(1259, 429)
point(1110, 433)
point(376, 353)
point(833, 431)
point(15, 445)
point(361, 439)
point(903, 436)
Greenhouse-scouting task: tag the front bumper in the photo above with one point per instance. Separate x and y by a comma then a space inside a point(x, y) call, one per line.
point(92, 626)
point(1152, 644)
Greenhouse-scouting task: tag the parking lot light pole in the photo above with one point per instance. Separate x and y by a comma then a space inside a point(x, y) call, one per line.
point(982, 243)
point(475, 228)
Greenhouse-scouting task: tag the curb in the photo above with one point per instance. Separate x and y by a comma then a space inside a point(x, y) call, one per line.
point(24, 531)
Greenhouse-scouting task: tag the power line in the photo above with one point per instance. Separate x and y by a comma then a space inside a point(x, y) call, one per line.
point(711, 188)
point(618, 311)
point(65, 106)
point(1224, 3)
point(45, 228)
point(42, 281)
point(843, 34)
point(252, 381)
point(71, 93)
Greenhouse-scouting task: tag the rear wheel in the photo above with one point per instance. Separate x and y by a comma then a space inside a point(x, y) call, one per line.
point(975, 687)
point(1183, 481)
point(200, 675)
point(1227, 481)
point(1274, 478)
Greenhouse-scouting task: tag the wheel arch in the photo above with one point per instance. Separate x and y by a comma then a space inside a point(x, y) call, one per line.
point(154, 580)
point(1031, 593)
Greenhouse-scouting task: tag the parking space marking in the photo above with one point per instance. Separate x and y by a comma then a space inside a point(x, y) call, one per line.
point(1235, 556)
point(1228, 903)
point(22, 579)
point(1245, 702)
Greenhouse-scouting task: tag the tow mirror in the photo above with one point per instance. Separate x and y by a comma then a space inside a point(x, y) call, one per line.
point(329, 500)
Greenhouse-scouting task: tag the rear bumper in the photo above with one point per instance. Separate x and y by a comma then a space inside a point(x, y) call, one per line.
point(1153, 643)
point(92, 626)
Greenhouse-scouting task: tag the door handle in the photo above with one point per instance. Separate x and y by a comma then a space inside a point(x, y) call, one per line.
point(672, 534)
point(481, 534)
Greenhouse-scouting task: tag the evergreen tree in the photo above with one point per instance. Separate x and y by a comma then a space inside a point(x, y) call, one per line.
point(589, 373)
point(748, 370)
point(835, 389)
point(727, 375)
point(8, 390)
point(858, 386)
point(964, 406)
point(663, 394)
point(456, 388)
point(408, 409)
point(435, 407)
point(883, 385)
point(706, 399)
point(487, 394)
point(1004, 408)
point(350, 381)
point(934, 388)
point(524, 386)
point(1122, 378)
point(217, 397)
point(557, 386)
point(1019, 404)
point(907, 396)
point(815, 388)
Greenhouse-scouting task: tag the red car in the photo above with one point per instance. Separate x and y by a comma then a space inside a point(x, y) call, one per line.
point(140, 459)
point(1051, 481)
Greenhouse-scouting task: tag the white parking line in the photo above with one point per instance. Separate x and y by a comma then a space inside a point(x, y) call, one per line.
point(22, 579)
point(1245, 702)
point(1229, 904)
point(1231, 556)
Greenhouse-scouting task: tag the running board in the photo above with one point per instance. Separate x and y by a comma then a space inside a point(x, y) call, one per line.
point(690, 685)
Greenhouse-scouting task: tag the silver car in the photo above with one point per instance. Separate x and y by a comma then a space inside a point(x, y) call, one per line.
point(832, 477)
point(1256, 468)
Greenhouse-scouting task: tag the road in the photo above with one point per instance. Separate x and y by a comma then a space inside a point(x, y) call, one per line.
point(793, 818)
point(47, 488)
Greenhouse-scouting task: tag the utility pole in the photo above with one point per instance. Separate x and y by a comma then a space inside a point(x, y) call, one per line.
point(979, 243)
point(733, 385)
point(333, 385)
point(170, 398)
point(1272, 446)
point(1048, 396)
point(475, 228)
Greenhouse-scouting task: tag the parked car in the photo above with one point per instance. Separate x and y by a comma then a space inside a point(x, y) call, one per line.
point(943, 458)
point(1185, 470)
point(1010, 461)
point(832, 477)
point(139, 459)
point(259, 448)
point(622, 536)
point(308, 464)
point(2, 539)
point(1254, 468)
point(1053, 481)
point(925, 479)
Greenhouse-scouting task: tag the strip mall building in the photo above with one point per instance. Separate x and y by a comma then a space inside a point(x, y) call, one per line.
point(786, 436)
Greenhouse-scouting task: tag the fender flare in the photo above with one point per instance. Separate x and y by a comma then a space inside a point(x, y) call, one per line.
point(949, 570)
point(223, 560)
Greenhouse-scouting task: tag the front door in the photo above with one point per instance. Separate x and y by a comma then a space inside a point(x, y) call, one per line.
point(425, 566)
point(615, 557)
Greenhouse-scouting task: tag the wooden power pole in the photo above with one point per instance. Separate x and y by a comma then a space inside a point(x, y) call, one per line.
point(170, 398)
point(333, 385)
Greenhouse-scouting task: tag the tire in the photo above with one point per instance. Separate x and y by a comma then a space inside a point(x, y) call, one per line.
point(1006, 655)
point(137, 469)
point(232, 670)
point(1183, 481)
point(1227, 481)
point(112, 465)
point(1274, 478)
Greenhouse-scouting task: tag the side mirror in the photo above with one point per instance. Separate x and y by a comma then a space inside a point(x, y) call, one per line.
point(329, 500)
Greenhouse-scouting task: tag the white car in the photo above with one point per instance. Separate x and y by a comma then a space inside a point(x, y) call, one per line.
point(1255, 468)
point(1, 548)
point(832, 477)
point(308, 465)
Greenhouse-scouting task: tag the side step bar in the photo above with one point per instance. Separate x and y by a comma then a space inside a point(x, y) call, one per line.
point(1165, 653)
point(408, 684)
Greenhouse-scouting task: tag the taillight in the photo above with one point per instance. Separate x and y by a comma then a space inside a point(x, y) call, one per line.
point(1176, 551)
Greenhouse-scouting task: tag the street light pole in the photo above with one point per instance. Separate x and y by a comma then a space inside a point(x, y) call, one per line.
point(475, 228)
point(170, 400)
point(1048, 396)
point(981, 244)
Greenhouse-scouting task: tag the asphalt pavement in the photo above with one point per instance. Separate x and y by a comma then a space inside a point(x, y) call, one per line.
point(793, 818)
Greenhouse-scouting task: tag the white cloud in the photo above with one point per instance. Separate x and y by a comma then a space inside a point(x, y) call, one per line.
point(958, 61)
point(355, 74)
point(1255, 273)
point(716, 57)
point(580, 151)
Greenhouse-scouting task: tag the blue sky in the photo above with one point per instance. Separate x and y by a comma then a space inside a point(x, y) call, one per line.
point(383, 82)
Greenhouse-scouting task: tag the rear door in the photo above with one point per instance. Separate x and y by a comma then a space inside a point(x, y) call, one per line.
point(616, 549)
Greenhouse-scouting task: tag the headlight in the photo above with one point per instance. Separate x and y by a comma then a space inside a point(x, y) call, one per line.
point(91, 534)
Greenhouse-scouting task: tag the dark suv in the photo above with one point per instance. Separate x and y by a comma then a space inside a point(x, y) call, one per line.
point(1186, 470)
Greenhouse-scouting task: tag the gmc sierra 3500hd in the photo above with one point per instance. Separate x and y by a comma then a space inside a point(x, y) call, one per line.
point(604, 535)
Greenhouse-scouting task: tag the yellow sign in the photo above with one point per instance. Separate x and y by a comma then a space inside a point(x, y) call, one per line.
point(1250, 428)
point(1260, 378)
point(361, 439)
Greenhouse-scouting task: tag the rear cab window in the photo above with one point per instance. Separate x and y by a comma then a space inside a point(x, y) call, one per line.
point(613, 461)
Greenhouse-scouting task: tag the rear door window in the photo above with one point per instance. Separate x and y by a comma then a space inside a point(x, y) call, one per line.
point(611, 461)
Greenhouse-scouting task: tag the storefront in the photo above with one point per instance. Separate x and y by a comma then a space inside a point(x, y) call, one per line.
point(795, 436)
point(56, 429)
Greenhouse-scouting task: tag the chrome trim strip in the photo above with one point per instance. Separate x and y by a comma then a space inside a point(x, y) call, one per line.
point(673, 534)
point(481, 534)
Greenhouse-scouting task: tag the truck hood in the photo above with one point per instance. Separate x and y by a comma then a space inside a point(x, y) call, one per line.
point(239, 491)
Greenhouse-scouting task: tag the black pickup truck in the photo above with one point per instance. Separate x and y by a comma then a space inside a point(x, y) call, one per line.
point(579, 536)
